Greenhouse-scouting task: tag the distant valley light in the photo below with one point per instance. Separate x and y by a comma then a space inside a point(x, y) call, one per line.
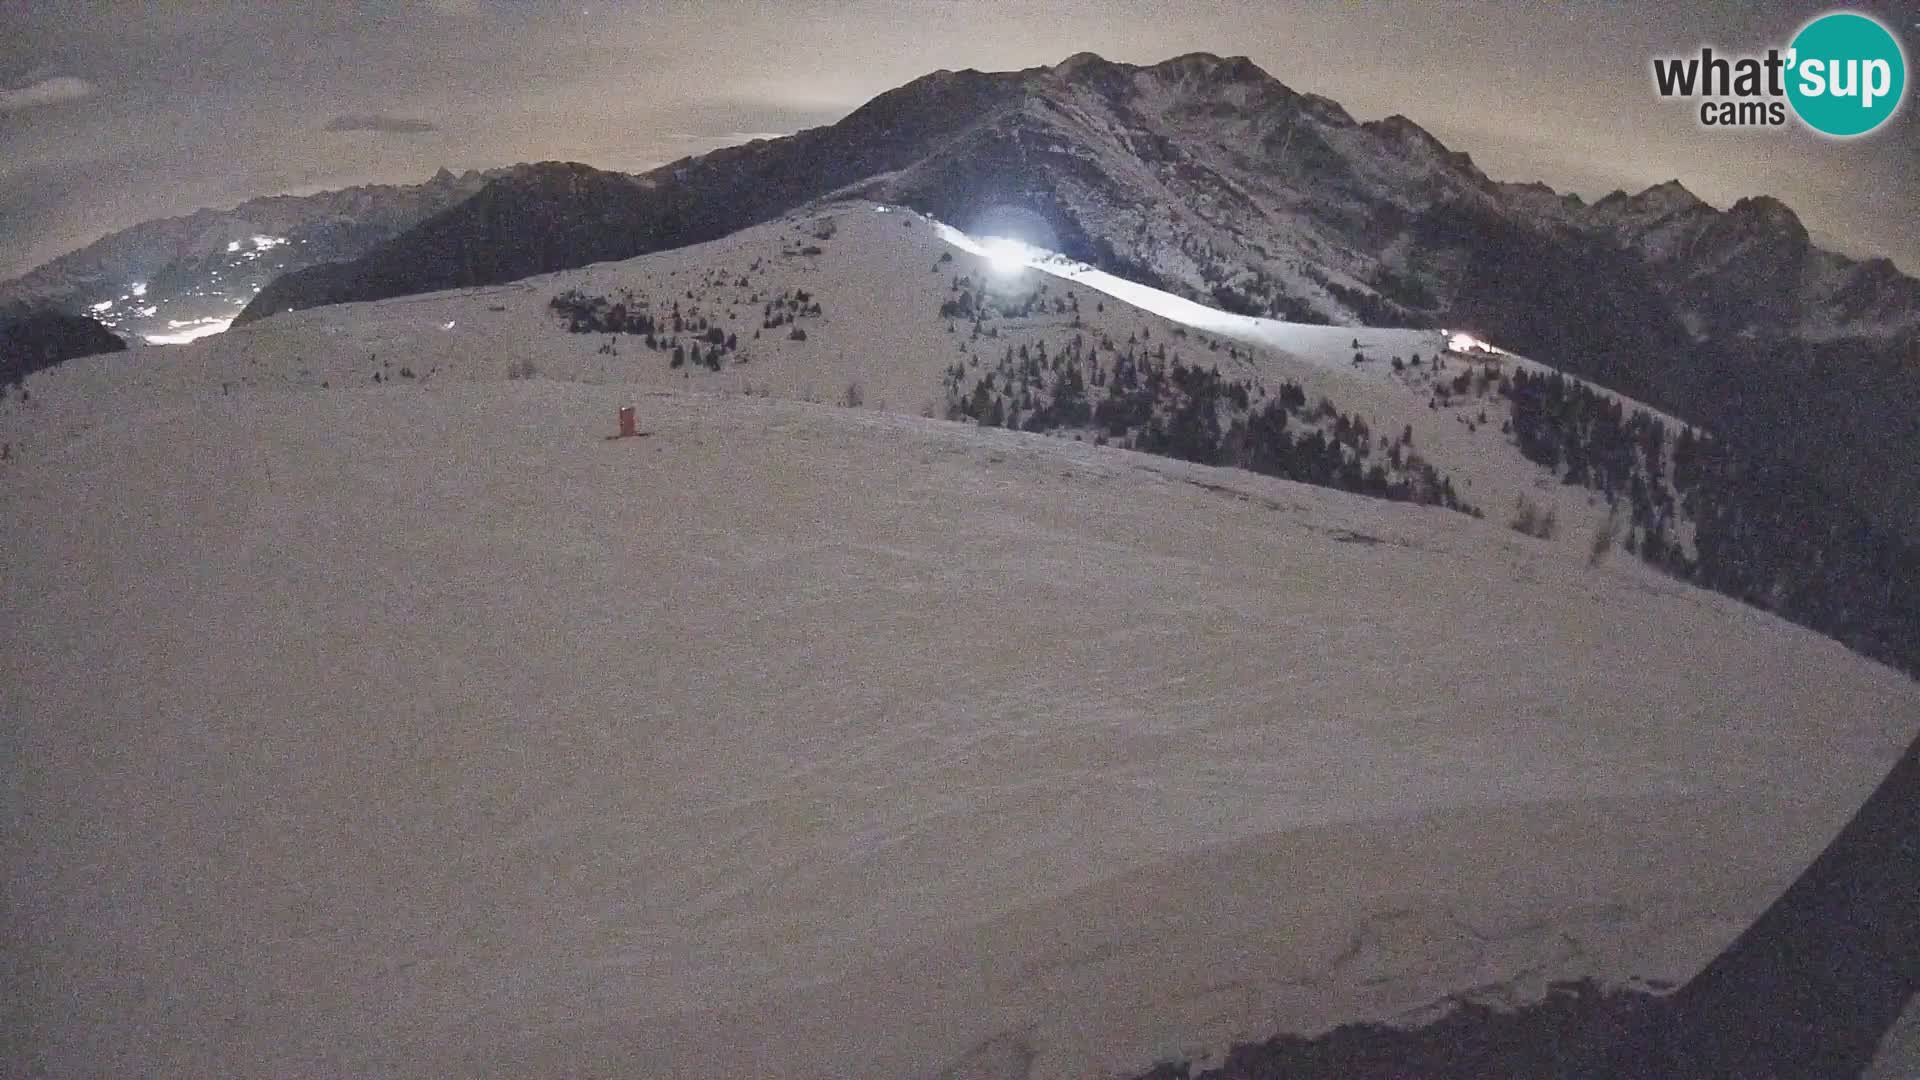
point(189, 330)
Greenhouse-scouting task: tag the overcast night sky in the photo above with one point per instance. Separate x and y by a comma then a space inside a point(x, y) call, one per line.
point(113, 112)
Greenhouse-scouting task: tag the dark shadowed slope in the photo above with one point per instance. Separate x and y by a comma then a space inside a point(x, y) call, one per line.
point(31, 340)
point(1808, 992)
point(1813, 986)
point(560, 215)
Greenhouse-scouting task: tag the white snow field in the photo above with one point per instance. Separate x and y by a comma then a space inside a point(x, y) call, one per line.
point(881, 277)
point(426, 732)
point(419, 730)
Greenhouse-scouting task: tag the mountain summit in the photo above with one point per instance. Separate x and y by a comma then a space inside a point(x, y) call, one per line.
point(1208, 177)
point(1202, 174)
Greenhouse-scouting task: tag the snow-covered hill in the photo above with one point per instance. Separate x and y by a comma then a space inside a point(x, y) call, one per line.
point(1210, 178)
point(377, 714)
point(880, 277)
point(422, 730)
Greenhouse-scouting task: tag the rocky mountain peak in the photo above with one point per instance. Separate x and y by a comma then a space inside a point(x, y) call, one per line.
point(1764, 213)
point(1202, 173)
point(1080, 63)
point(1401, 130)
point(1671, 196)
point(1209, 67)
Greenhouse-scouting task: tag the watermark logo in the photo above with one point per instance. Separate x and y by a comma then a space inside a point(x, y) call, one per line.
point(1852, 74)
point(1844, 74)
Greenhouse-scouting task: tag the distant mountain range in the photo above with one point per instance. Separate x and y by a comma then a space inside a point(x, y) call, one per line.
point(1206, 176)
point(1200, 174)
point(182, 277)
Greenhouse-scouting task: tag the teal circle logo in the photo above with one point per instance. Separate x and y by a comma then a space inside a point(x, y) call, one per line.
point(1847, 74)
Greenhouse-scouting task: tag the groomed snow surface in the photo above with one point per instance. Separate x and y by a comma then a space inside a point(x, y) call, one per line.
point(432, 734)
point(419, 730)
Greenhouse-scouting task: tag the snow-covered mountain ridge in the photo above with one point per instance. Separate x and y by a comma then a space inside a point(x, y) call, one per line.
point(1207, 177)
point(876, 305)
point(1205, 173)
point(183, 277)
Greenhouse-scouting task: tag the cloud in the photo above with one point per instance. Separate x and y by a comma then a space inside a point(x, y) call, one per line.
point(385, 125)
point(46, 92)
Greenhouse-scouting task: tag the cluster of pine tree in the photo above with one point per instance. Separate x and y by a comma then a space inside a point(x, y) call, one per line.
point(707, 342)
point(1231, 289)
point(600, 315)
point(1372, 309)
point(1591, 441)
point(1143, 400)
point(971, 300)
point(788, 306)
point(1767, 534)
point(1228, 298)
point(1764, 532)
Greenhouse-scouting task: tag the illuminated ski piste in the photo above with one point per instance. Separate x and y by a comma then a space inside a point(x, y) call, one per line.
point(1009, 256)
point(189, 330)
point(1331, 348)
point(1327, 346)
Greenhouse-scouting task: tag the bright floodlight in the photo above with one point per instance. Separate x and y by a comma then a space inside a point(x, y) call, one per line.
point(1004, 255)
point(1466, 343)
